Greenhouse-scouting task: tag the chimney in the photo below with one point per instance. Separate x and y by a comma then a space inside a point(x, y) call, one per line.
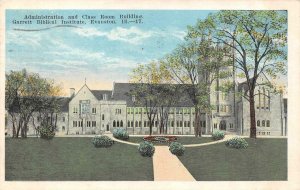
point(72, 92)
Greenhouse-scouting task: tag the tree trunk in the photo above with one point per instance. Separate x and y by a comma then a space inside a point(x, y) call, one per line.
point(197, 128)
point(19, 127)
point(252, 115)
point(150, 130)
point(55, 123)
point(14, 126)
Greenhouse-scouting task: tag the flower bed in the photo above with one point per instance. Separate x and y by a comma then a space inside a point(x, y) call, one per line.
point(160, 139)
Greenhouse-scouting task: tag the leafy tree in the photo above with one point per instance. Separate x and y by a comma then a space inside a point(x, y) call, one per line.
point(197, 64)
point(153, 91)
point(145, 92)
point(27, 94)
point(258, 39)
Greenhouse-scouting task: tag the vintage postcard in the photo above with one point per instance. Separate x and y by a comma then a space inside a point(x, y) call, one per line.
point(123, 95)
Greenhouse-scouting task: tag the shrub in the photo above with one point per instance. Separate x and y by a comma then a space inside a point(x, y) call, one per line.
point(46, 132)
point(176, 148)
point(236, 142)
point(218, 135)
point(121, 133)
point(146, 149)
point(102, 141)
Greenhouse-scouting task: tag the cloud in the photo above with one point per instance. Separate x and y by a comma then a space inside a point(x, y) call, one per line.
point(23, 38)
point(132, 35)
point(66, 51)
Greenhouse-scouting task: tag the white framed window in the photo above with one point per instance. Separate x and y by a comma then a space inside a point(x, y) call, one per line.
point(94, 110)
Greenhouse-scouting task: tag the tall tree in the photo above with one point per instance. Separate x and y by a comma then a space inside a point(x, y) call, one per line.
point(197, 64)
point(145, 90)
point(26, 94)
point(259, 40)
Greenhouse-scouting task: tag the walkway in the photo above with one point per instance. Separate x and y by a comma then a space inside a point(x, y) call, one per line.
point(167, 167)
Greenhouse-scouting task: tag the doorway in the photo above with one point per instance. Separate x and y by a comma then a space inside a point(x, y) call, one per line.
point(223, 125)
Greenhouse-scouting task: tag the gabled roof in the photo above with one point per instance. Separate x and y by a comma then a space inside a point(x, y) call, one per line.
point(99, 94)
point(122, 91)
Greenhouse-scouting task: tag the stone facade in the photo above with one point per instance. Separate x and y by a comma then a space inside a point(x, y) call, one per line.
point(96, 111)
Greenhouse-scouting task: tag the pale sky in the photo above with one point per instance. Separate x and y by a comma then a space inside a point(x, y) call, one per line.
point(103, 53)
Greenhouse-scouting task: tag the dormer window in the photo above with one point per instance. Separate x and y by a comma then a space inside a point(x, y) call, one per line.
point(104, 96)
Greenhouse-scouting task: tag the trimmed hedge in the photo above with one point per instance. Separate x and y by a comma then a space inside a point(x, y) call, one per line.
point(146, 149)
point(120, 133)
point(218, 135)
point(102, 141)
point(236, 142)
point(46, 132)
point(177, 148)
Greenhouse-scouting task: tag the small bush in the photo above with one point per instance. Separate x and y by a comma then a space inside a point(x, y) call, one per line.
point(177, 148)
point(120, 133)
point(218, 135)
point(146, 149)
point(236, 142)
point(46, 132)
point(102, 141)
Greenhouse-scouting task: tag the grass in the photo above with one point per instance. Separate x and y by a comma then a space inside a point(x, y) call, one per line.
point(263, 160)
point(183, 140)
point(67, 159)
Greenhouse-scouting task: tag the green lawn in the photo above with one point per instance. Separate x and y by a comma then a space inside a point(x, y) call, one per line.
point(66, 159)
point(263, 160)
point(183, 140)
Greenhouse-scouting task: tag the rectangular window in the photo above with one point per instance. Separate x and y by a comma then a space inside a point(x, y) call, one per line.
point(263, 123)
point(268, 123)
point(172, 124)
point(102, 116)
point(128, 110)
point(94, 110)
point(84, 106)
point(118, 111)
point(88, 123)
point(63, 119)
point(93, 123)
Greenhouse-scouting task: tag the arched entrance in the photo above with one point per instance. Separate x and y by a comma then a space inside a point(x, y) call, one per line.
point(223, 125)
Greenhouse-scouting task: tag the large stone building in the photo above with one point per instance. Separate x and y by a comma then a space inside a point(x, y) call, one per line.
point(96, 111)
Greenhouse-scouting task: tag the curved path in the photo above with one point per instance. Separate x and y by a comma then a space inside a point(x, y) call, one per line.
point(187, 145)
